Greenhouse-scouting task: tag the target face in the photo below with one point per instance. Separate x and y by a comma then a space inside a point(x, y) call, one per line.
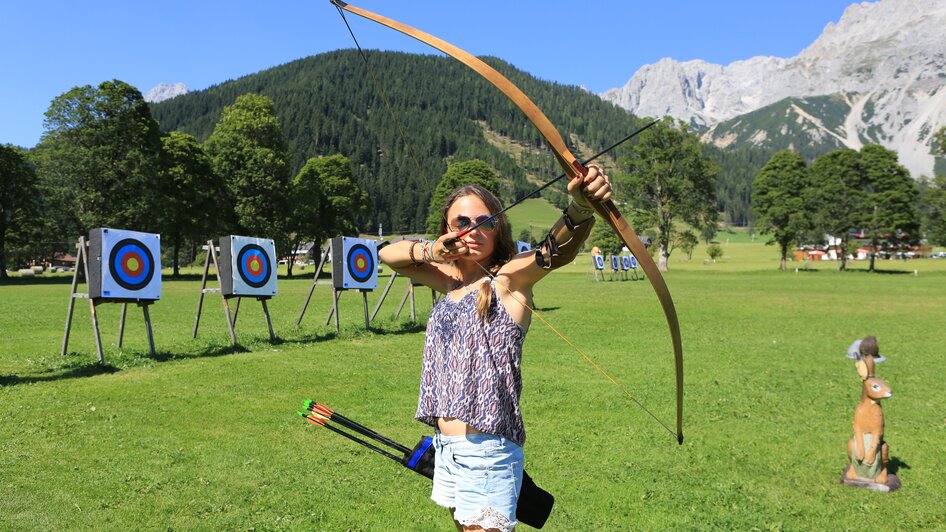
point(354, 263)
point(523, 246)
point(633, 262)
point(626, 263)
point(254, 265)
point(360, 263)
point(253, 262)
point(598, 261)
point(614, 262)
point(131, 264)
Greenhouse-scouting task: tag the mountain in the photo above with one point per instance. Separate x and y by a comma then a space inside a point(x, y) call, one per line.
point(165, 91)
point(442, 110)
point(877, 76)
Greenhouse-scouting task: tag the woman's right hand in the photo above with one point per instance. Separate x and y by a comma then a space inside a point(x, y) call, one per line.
point(443, 251)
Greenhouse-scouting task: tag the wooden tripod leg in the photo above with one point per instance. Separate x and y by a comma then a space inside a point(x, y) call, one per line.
point(364, 297)
point(72, 295)
point(407, 293)
point(95, 330)
point(144, 307)
point(226, 310)
point(333, 312)
point(236, 310)
point(269, 321)
point(121, 324)
point(383, 296)
point(203, 286)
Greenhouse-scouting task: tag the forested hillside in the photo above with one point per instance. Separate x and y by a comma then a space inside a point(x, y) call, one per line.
point(328, 104)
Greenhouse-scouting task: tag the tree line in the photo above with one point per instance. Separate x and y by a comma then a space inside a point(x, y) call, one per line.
point(863, 195)
point(103, 161)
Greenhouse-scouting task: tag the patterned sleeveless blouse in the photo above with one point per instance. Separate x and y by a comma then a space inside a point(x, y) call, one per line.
point(472, 368)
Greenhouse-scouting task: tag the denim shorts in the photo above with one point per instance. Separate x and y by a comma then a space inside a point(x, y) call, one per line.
point(480, 475)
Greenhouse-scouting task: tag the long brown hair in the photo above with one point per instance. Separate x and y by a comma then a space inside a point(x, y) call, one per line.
point(503, 251)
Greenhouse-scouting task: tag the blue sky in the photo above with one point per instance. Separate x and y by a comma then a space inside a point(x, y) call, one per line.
point(48, 47)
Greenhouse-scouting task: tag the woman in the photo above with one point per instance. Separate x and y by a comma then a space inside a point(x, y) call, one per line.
point(470, 382)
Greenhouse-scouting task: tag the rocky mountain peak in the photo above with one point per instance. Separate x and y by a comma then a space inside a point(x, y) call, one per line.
point(886, 59)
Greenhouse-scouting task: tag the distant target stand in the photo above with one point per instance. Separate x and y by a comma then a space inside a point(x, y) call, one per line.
point(119, 266)
point(354, 267)
point(597, 266)
point(245, 267)
point(629, 264)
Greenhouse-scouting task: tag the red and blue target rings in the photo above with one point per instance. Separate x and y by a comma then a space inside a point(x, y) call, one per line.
point(131, 264)
point(254, 266)
point(360, 263)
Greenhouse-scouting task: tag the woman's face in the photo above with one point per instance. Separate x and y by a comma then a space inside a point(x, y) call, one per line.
point(480, 241)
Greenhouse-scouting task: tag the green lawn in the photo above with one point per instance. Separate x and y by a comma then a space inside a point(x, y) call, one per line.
point(203, 436)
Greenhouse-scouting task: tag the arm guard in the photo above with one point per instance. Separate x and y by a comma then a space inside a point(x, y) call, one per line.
point(563, 242)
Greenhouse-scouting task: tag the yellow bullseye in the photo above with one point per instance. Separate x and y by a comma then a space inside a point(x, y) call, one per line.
point(133, 265)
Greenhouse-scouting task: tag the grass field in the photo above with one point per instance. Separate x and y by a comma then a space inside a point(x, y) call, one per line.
point(203, 436)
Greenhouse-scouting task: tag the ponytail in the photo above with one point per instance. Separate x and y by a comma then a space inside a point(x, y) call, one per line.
point(484, 296)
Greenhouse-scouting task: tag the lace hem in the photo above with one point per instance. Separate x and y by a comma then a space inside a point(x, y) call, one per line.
point(489, 519)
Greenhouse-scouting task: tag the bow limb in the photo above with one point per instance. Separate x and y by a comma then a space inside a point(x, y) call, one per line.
point(569, 163)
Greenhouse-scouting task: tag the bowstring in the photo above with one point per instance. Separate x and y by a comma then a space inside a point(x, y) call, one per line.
point(384, 98)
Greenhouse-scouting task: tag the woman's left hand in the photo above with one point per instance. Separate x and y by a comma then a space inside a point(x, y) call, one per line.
point(593, 187)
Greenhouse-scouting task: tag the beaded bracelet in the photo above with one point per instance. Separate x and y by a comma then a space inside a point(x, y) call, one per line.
point(411, 253)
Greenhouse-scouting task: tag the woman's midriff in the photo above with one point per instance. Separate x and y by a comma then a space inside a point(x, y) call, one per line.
point(451, 426)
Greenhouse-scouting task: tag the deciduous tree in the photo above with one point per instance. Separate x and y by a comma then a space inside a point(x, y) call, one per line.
point(779, 201)
point(18, 202)
point(669, 180)
point(247, 148)
point(100, 156)
point(892, 215)
point(191, 194)
point(326, 201)
point(839, 196)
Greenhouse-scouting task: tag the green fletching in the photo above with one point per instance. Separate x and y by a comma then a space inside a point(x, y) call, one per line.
point(308, 404)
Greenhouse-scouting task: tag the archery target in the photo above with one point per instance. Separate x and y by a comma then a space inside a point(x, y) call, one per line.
point(633, 262)
point(626, 263)
point(252, 263)
point(614, 262)
point(598, 261)
point(523, 246)
point(128, 265)
point(354, 263)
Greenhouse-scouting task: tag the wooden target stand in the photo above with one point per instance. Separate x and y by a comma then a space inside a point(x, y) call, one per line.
point(408, 294)
point(82, 261)
point(231, 318)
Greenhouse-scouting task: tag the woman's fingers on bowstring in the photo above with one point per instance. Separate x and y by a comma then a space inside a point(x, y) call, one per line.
point(451, 245)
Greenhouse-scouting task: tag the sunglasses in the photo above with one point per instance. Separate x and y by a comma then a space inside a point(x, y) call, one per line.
point(484, 221)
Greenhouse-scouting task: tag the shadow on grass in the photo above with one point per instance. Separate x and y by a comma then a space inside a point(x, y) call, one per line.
point(92, 369)
point(351, 332)
point(211, 351)
point(895, 464)
point(85, 370)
